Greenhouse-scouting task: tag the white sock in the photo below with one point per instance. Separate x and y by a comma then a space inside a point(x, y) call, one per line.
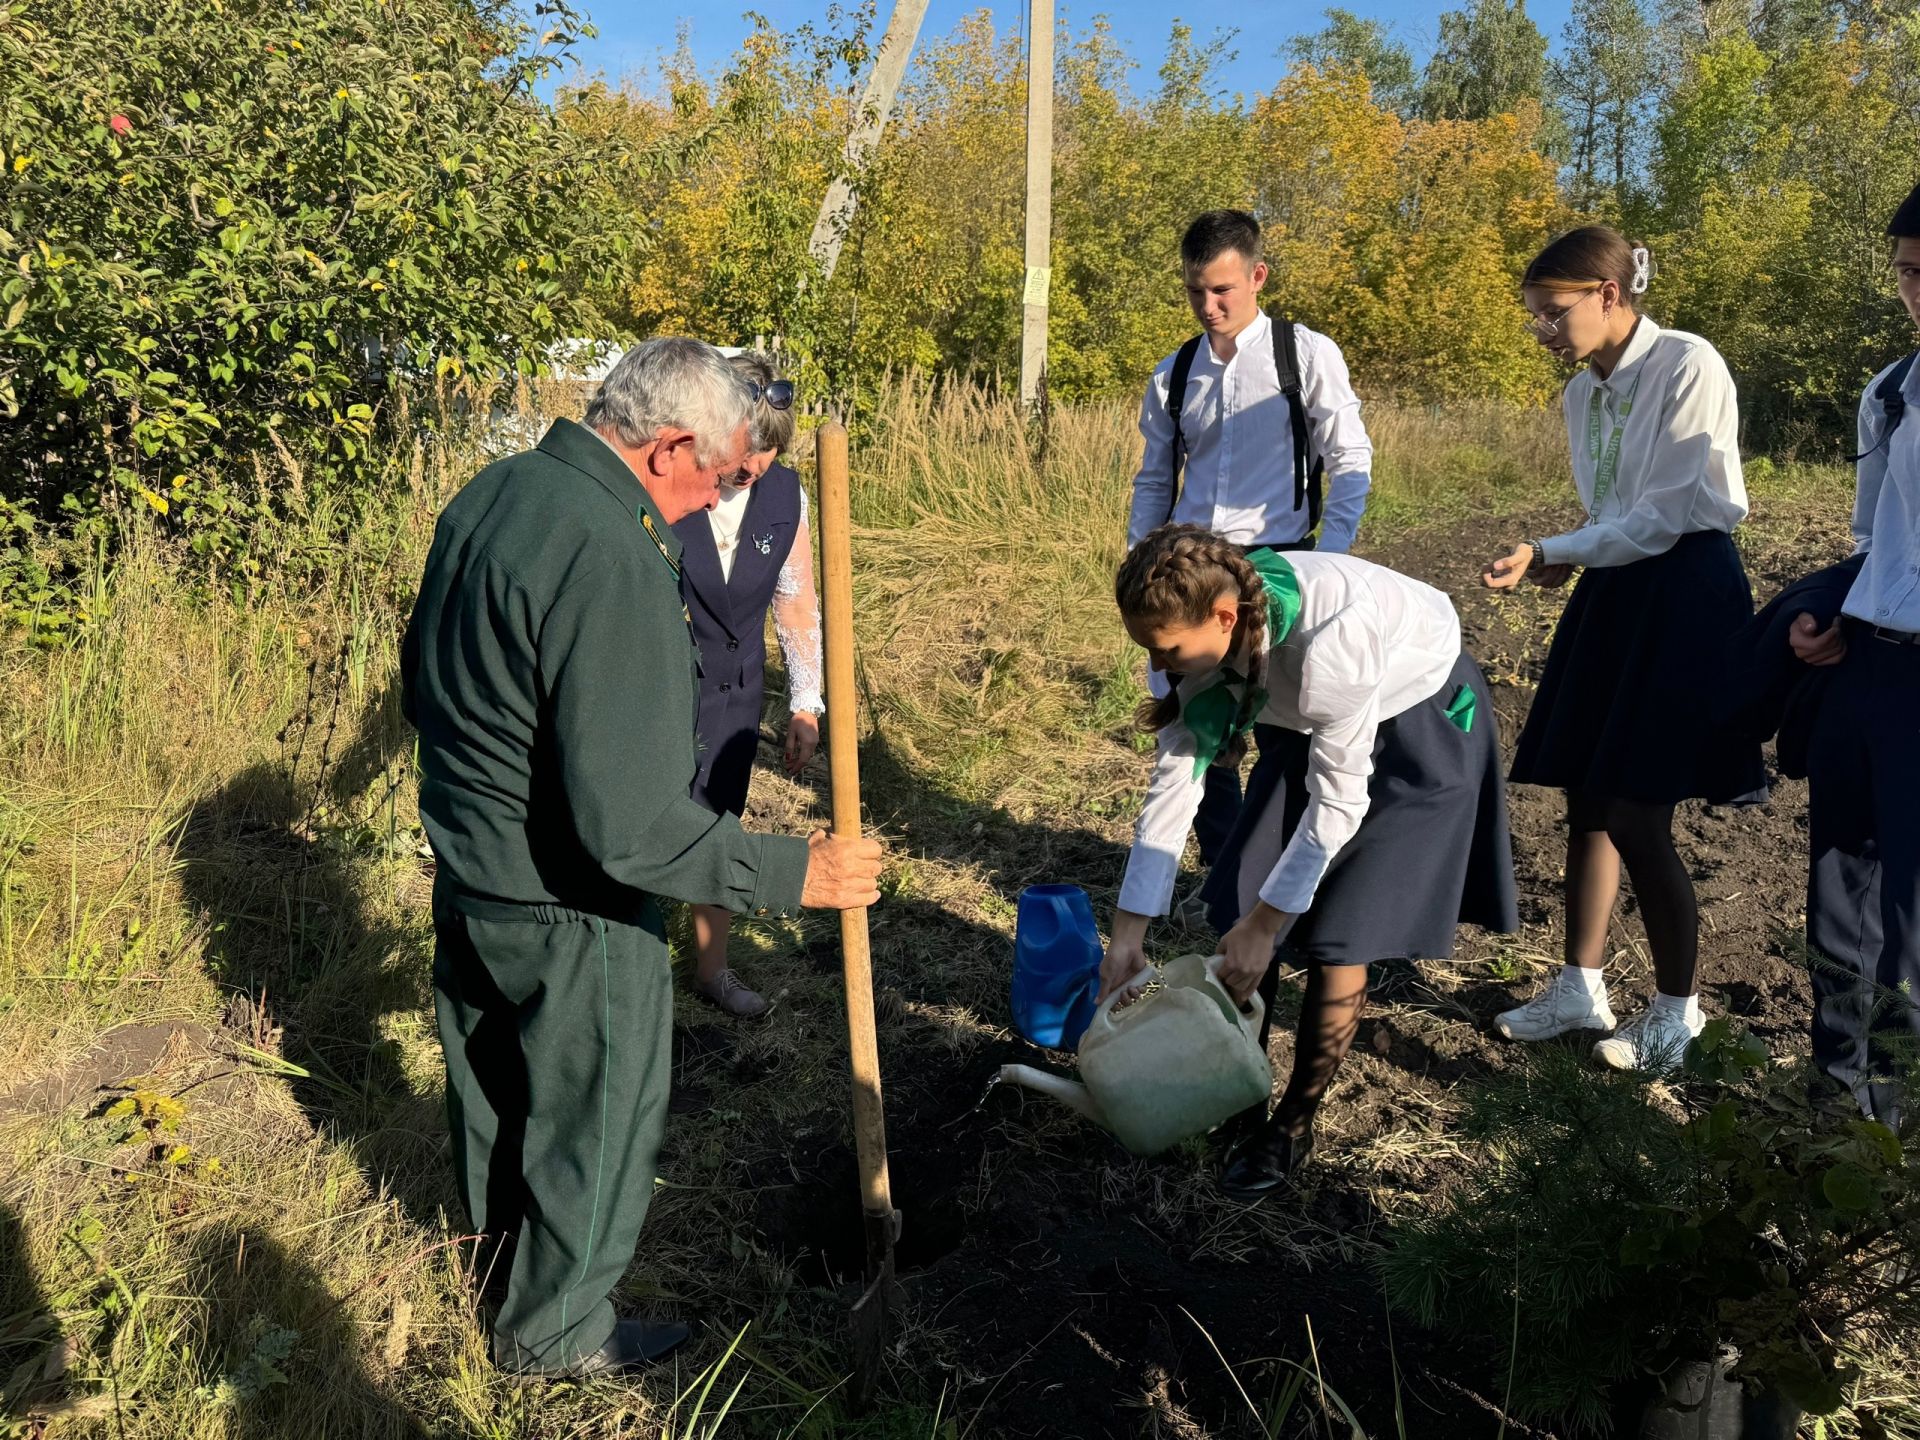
point(1676, 1007)
point(1578, 977)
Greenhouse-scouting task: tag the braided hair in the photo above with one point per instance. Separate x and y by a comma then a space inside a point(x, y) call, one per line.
point(1173, 577)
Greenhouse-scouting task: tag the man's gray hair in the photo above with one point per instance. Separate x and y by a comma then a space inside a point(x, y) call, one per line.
point(684, 384)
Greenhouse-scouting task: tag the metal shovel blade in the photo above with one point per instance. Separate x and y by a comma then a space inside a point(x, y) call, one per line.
point(871, 1310)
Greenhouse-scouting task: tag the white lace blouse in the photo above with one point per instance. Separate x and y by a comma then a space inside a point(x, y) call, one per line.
point(796, 601)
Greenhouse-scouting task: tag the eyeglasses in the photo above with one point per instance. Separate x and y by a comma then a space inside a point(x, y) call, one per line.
point(1548, 325)
point(778, 395)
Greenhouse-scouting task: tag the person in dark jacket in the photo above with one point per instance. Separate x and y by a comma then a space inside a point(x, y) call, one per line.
point(750, 554)
point(1770, 692)
point(1863, 752)
point(549, 666)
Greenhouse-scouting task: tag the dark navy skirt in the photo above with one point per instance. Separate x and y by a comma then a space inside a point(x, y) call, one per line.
point(1625, 709)
point(728, 732)
point(1432, 852)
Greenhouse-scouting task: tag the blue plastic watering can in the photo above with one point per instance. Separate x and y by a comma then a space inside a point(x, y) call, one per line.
point(1056, 965)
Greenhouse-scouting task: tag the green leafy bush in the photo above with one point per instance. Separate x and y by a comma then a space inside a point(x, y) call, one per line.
point(221, 221)
point(1602, 1239)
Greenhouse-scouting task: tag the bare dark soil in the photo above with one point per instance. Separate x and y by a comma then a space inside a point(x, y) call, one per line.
point(1054, 1285)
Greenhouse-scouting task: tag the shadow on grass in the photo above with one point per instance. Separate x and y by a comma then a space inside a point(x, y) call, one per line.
point(282, 879)
point(29, 1333)
point(281, 1354)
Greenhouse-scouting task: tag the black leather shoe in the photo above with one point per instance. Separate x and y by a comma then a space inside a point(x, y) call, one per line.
point(1264, 1164)
point(634, 1345)
point(1239, 1129)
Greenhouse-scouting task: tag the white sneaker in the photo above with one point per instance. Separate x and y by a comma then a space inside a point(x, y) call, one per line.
point(1653, 1042)
point(1563, 1004)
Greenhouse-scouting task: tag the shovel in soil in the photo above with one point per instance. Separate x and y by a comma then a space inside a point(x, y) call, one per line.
point(882, 1221)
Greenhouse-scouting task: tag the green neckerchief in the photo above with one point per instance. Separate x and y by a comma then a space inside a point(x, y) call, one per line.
point(1216, 715)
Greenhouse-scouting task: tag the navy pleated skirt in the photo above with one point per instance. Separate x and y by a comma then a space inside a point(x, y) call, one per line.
point(1432, 852)
point(1625, 709)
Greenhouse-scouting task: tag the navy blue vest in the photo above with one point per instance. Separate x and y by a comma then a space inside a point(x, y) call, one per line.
point(730, 627)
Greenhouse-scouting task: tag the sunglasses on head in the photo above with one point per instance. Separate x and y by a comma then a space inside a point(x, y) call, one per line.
point(778, 394)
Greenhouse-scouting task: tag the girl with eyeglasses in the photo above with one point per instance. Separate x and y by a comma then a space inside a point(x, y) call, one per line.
point(1621, 718)
point(749, 554)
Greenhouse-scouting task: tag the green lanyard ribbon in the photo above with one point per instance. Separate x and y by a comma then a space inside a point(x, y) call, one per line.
point(1606, 465)
point(1217, 715)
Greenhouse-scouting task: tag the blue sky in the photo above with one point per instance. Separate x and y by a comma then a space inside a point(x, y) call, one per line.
point(635, 34)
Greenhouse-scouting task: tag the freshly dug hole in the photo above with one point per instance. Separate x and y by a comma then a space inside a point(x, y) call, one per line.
point(816, 1224)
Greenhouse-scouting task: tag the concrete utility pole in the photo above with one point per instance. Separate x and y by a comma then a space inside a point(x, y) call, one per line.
point(1033, 319)
point(876, 103)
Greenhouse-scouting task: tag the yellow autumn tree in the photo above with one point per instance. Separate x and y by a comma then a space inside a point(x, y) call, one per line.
point(1476, 200)
point(1403, 240)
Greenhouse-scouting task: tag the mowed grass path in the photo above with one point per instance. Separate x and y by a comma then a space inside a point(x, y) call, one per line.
point(224, 1189)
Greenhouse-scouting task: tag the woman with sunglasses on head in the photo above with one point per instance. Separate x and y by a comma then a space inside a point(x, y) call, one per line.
point(750, 553)
point(1620, 721)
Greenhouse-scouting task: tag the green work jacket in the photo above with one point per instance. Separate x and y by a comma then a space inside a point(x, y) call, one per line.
point(551, 671)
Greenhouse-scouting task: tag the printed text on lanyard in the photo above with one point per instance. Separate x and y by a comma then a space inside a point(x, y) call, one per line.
point(1606, 459)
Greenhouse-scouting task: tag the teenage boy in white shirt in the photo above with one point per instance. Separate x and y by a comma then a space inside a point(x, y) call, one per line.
point(1265, 419)
point(1863, 762)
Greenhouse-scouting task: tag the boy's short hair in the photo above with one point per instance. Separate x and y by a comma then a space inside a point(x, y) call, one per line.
point(768, 429)
point(1905, 224)
point(1218, 231)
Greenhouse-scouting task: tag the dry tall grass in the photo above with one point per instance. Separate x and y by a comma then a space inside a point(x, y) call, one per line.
point(987, 590)
point(211, 894)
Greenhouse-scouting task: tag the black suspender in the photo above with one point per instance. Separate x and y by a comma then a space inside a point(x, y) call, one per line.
point(1307, 473)
point(1176, 408)
point(1890, 392)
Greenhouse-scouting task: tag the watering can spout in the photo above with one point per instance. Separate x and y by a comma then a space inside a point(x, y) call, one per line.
point(1176, 1063)
point(1070, 1093)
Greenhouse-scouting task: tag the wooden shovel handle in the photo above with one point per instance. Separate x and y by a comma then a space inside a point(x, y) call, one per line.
point(843, 754)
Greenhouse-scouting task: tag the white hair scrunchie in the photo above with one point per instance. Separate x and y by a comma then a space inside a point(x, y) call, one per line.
point(1642, 270)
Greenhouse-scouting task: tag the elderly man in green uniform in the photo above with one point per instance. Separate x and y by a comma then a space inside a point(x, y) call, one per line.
point(550, 669)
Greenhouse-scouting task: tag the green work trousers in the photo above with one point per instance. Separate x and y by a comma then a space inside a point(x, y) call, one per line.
point(557, 1028)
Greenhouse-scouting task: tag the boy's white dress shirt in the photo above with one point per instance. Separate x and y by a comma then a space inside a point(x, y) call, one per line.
point(1238, 435)
point(1886, 513)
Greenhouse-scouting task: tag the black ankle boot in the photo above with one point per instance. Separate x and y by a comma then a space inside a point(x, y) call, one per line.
point(1237, 1130)
point(1264, 1163)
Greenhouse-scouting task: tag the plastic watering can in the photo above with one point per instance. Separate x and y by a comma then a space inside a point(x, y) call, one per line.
point(1174, 1064)
point(1056, 965)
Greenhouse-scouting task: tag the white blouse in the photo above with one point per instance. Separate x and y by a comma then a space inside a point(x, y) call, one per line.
point(796, 604)
point(1368, 644)
point(1679, 465)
